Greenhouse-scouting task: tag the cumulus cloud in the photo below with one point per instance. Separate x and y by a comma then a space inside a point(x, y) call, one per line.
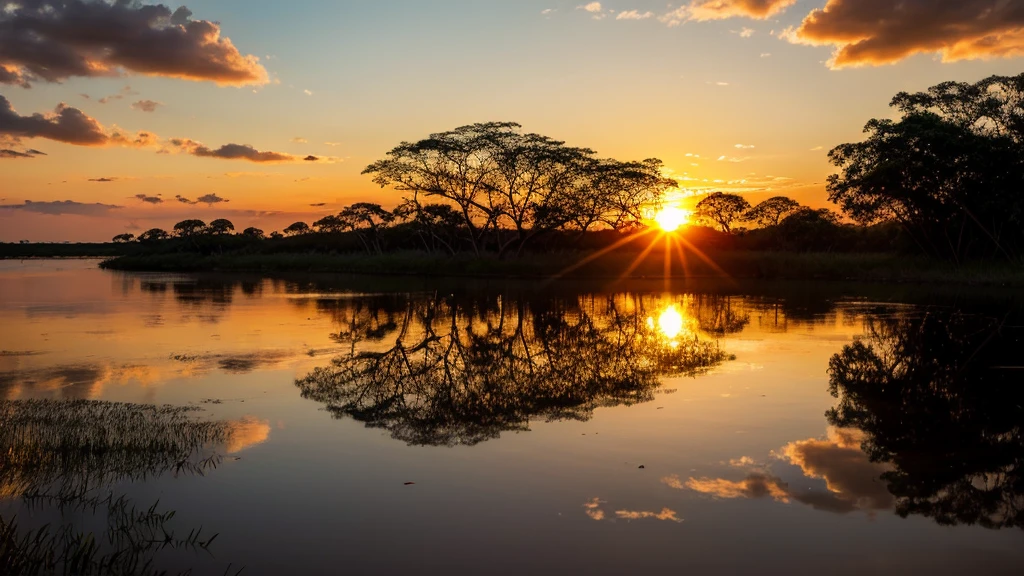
point(61, 207)
point(594, 9)
point(146, 105)
point(68, 125)
point(53, 40)
point(876, 33)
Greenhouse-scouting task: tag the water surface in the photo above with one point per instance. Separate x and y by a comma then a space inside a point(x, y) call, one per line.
point(394, 426)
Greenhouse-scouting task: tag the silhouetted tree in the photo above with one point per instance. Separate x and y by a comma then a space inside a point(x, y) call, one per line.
point(297, 229)
point(275, 235)
point(189, 228)
point(950, 170)
point(366, 220)
point(253, 232)
point(153, 235)
point(771, 211)
point(123, 238)
point(220, 227)
point(330, 224)
point(722, 209)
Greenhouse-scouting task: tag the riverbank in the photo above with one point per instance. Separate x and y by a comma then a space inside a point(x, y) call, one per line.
point(759, 265)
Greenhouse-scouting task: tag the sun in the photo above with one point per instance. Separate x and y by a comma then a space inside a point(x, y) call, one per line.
point(670, 219)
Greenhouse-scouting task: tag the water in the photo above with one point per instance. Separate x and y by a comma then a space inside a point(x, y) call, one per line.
point(391, 426)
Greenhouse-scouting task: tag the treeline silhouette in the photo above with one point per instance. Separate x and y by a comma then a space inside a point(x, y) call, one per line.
point(942, 181)
point(448, 371)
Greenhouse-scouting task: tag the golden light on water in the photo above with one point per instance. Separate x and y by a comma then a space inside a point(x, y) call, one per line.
point(670, 218)
point(670, 323)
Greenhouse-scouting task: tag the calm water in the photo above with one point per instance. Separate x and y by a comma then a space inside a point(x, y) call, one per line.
point(406, 426)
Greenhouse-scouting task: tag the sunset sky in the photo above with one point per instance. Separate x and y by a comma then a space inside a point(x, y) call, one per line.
point(121, 116)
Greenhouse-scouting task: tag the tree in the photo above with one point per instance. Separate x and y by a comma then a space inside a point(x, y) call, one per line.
point(275, 235)
point(220, 227)
point(189, 228)
point(366, 220)
point(329, 225)
point(297, 229)
point(123, 238)
point(253, 232)
point(153, 235)
point(771, 211)
point(722, 209)
point(949, 171)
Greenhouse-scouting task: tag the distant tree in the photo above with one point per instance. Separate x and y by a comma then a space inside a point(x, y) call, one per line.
point(771, 211)
point(297, 229)
point(275, 235)
point(722, 209)
point(366, 220)
point(616, 194)
point(221, 226)
point(950, 170)
point(253, 232)
point(153, 235)
point(123, 238)
point(329, 224)
point(189, 228)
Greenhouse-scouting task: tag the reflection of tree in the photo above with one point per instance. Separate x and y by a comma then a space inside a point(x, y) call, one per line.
point(940, 400)
point(463, 373)
point(717, 315)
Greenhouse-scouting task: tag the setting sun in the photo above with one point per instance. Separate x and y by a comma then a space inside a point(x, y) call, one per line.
point(670, 218)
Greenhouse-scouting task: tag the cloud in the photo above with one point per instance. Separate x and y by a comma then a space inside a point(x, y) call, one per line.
point(233, 152)
point(150, 199)
point(665, 514)
point(319, 205)
point(876, 33)
point(299, 140)
point(146, 105)
point(332, 144)
point(30, 153)
point(126, 91)
point(52, 41)
point(634, 15)
point(755, 485)
point(68, 125)
point(208, 199)
point(64, 124)
point(704, 10)
point(594, 9)
point(104, 179)
point(745, 146)
point(307, 92)
point(746, 33)
point(57, 208)
point(593, 509)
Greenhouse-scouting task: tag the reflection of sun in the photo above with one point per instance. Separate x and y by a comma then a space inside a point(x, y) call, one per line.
point(671, 322)
point(671, 218)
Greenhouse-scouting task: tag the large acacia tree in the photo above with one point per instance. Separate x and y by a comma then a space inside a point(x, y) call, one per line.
point(950, 170)
point(509, 187)
point(723, 210)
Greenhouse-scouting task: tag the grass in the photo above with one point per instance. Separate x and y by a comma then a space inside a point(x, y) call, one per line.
point(735, 264)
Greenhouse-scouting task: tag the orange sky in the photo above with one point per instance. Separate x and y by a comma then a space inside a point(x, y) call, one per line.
point(269, 113)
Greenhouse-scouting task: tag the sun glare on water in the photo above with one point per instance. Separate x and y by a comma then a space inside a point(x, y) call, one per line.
point(671, 219)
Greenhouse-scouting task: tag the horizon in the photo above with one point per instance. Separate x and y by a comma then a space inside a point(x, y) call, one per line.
point(266, 126)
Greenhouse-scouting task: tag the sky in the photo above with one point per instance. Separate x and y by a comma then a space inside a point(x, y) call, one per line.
point(120, 116)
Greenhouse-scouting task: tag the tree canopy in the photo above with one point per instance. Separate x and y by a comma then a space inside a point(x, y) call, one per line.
point(950, 170)
point(723, 210)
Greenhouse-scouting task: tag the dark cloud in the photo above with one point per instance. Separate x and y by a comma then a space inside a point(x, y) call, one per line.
point(146, 105)
point(319, 205)
point(58, 208)
point(149, 199)
point(881, 32)
point(208, 199)
point(311, 158)
point(64, 124)
point(104, 179)
point(231, 152)
point(35, 152)
point(52, 40)
point(14, 154)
